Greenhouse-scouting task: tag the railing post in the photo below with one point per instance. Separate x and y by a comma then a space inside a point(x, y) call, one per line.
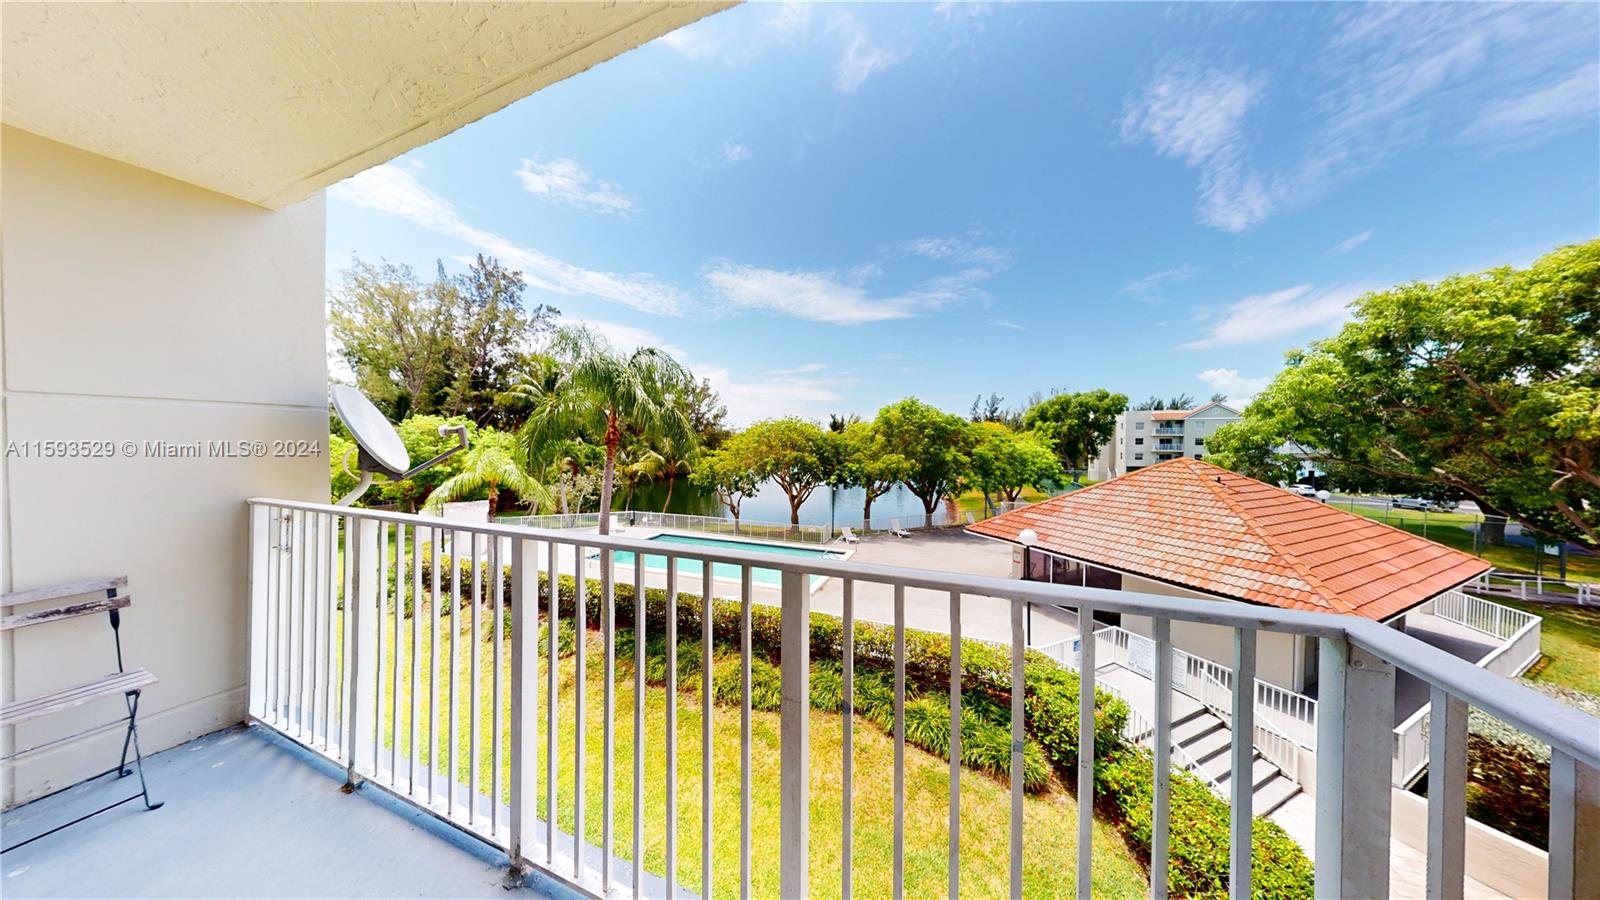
point(1447, 796)
point(1574, 826)
point(794, 738)
point(260, 557)
point(1354, 727)
point(361, 709)
point(524, 697)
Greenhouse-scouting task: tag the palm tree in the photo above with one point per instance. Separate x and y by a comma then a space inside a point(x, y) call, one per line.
point(489, 470)
point(601, 392)
point(674, 463)
point(634, 463)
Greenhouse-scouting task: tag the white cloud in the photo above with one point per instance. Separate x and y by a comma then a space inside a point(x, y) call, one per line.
point(843, 298)
point(740, 37)
point(810, 390)
point(1239, 389)
point(1146, 288)
point(1388, 77)
point(818, 296)
point(1263, 317)
point(955, 249)
point(1003, 323)
point(392, 190)
point(861, 58)
point(1350, 243)
point(567, 181)
point(1557, 107)
point(1196, 114)
point(628, 338)
point(734, 152)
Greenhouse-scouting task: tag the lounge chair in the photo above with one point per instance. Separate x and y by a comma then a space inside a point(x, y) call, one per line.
point(896, 530)
point(848, 536)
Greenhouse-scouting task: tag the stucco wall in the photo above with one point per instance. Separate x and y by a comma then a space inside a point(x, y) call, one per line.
point(138, 308)
point(1278, 658)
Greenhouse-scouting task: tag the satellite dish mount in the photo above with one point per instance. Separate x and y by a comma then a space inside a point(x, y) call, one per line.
point(378, 446)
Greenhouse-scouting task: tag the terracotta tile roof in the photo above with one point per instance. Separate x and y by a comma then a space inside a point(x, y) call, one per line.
point(1191, 523)
point(1162, 415)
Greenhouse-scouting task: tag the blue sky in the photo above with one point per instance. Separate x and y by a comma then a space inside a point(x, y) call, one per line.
point(827, 208)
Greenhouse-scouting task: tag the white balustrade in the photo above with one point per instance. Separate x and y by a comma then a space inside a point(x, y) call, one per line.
point(345, 661)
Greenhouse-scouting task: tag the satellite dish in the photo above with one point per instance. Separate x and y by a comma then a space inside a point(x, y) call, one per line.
point(378, 445)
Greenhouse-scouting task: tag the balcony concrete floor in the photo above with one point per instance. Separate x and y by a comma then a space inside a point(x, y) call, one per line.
point(247, 814)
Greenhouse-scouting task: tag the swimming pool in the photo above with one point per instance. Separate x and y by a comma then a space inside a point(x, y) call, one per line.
point(624, 559)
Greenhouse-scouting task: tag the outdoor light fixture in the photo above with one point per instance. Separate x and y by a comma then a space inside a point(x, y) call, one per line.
point(1028, 537)
point(378, 444)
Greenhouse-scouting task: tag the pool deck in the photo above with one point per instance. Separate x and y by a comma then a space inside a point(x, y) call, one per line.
point(943, 550)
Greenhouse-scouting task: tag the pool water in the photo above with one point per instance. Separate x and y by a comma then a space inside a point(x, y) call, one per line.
point(624, 559)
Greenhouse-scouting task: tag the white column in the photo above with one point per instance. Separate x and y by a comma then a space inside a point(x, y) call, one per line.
point(1355, 720)
point(364, 662)
point(795, 738)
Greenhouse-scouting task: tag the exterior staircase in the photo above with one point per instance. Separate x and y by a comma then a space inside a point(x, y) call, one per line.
point(1205, 741)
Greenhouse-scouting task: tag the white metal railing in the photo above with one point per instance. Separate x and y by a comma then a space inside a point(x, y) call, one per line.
point(1490, 618)
point(335, 664)
point(1410, 748)
point(1290, 714)
point(1525, 586)
point(1517, 634)
point(623, 519)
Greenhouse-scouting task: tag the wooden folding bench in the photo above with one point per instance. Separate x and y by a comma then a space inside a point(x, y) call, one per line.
point(127, 682)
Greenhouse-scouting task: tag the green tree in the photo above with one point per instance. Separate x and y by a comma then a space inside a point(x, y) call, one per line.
point(797, 455)
point(1180, 401)
point(488, 470)
point(451, 346)
point(937, 447)
point(1076, 426)
point(708, 415)
point(636, 462)
point(340, 450)
point(1004, 462)
point(1252, 446)
point(726, 474)
point(420, 435)
point(1485, 384)
point(868, 462)
point(490, 329)
point(602, 392)
point(395, 334)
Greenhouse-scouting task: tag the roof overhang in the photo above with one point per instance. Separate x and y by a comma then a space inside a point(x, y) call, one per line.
point(270, 103)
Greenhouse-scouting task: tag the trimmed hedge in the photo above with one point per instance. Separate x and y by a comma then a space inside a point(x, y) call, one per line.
point(1198, 848)
point(1198, 841)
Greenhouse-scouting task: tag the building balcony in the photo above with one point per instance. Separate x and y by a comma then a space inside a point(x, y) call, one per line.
point(1170, 429)
point(347, 646)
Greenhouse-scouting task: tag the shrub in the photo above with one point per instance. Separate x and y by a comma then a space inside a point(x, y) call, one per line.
point(1198, 842)
point(1508, 788)
point(1123, 774)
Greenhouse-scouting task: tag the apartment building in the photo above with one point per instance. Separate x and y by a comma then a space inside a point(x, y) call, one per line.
point(1144, 437)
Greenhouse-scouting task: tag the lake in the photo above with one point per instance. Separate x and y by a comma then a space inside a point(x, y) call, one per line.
point(825, 506)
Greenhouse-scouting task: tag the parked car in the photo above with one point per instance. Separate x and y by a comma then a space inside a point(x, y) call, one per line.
point(1304, 490)
point(1423, 503)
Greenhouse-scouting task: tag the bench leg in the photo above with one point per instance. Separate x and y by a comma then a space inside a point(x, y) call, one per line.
point(132, 738)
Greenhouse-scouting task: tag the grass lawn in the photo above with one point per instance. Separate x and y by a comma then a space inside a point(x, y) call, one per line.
point(1049, 831)
point(1450, 529)
point(1570, 640)
point(972, 501)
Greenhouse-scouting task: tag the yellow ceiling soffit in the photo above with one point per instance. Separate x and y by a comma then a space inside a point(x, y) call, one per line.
point(272, 102)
